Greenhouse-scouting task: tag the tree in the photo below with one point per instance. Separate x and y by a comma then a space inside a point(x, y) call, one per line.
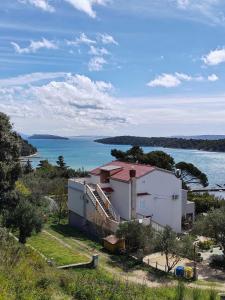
point(26, 218)
point(190, 174)
point(212, 225)
point(60, 198)
point(61, 163)
point(173, 248)
point(137, 236)
point(135, 154)
point(27, 167)
point(9, 163)
point(44, 164)
point(204, 202)
point(159, 159)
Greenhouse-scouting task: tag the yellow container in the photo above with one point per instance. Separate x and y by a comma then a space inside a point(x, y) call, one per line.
point(188, 272)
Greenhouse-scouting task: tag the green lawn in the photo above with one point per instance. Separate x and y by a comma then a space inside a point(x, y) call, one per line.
point(55, 250)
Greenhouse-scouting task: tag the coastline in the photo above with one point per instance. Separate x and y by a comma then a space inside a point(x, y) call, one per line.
point(30, 156)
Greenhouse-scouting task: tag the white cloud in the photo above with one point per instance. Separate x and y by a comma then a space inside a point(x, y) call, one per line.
point(31, 78)
point(107, 39)
point(34, 46)
point(42, 4)
point(96, 63)
point(98, 51)
point(213, 77)
point(86, 6)
point(183, 76)
point(165, 80)
point(183, 4)
point(73, 101)
point(214, 57)
point(173, 80)
point(82, 39)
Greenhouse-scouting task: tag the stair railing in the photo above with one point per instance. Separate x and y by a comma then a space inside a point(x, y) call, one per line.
point(112, 224)
point(96, 203)
point(107, 203)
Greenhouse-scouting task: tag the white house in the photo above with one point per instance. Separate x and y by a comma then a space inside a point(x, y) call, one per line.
point(121, 191)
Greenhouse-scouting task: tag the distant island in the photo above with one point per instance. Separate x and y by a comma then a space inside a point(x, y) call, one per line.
point(47, 137)
point(201, 137)
point(217, 145)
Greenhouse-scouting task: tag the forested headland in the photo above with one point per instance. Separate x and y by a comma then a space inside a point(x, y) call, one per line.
point(26, 148)
point(166, 142)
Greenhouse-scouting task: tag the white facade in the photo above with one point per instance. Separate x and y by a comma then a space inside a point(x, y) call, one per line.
point(156, 194)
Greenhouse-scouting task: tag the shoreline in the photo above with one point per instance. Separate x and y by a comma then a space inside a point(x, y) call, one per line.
point(30, 156)
point(144, 146)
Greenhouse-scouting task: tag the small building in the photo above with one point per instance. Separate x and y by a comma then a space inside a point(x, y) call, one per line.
point(121, 191)
point(114, 244)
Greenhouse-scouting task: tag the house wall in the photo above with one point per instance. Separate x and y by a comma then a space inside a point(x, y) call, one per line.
point(120, 198)
point(75, 197)
point(79, 203)
point(159, 204)
point(95, 179)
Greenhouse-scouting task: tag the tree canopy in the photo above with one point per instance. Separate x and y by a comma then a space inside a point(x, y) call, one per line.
point(188, 173)
point(191, 175)
point(135, 154)
point(9, 163)
point(212, 225)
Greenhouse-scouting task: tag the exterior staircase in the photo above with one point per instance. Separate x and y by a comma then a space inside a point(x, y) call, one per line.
point(103, 205)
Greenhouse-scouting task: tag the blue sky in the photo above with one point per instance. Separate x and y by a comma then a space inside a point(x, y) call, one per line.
point(109, 67)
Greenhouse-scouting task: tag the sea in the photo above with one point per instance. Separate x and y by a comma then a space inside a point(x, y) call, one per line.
point(83, 152)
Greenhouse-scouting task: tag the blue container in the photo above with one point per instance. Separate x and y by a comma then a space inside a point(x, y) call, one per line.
point(180, 271)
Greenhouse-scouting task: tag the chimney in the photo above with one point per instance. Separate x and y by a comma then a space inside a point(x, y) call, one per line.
point(132, 173)
point(133, 193)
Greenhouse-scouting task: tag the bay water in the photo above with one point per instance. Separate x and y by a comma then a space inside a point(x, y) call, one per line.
point(83, 152)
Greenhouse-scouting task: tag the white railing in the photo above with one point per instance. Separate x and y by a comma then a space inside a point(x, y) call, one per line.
point(109, 223)
point(157, 226)
point(96, 203)
point(148, 221)
point(107, 203)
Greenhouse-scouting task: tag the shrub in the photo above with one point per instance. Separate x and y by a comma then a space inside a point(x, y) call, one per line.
point(206, 245)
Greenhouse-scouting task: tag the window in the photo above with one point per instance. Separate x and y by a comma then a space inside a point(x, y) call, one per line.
point(142, 204)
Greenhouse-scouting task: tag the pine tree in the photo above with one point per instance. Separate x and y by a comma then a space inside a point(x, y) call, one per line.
point(28, 167)
point(61, 163)
point(10, 168)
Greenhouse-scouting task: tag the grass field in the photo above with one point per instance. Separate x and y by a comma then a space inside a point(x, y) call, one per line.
point(53, 249)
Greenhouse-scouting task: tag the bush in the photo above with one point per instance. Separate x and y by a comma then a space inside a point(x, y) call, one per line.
point(218, 262)
point(206, 245)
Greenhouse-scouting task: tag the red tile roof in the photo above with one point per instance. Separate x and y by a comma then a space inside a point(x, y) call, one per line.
point(123, 174)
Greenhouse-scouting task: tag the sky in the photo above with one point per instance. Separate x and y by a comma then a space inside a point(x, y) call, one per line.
point(113, 67)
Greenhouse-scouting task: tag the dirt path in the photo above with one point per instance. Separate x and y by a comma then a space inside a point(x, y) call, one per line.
point(135, 276)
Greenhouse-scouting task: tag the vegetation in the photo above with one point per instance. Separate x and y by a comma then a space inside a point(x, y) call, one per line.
point(212, 225)
point(205, 202)
point(10, 169)
point(26, 218)
point(180, 143)
point(172, 247)
point(42, 282)
point(56, 251)
point(47, 136)
point(137, 237)
point(26, 148)
point(188, 173)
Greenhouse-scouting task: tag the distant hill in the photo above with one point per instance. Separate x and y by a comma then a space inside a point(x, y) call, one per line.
point(201, 137)
point(179, 143)
point(47, 137)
